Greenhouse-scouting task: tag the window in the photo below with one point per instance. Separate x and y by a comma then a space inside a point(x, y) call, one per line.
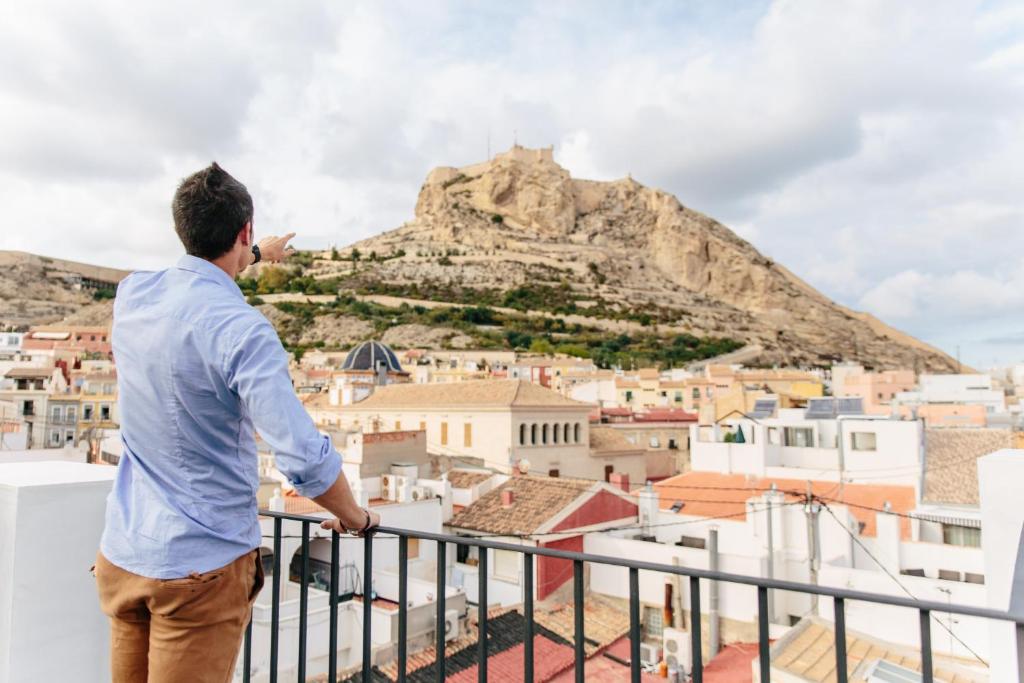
point(863, 441)
point(798, 437)
point(949, 575)
point(533, 434)
point(553, 474)
point(87, 409)
point(54, 438)
point(971, 577)
point(955, 534)
point(672, 445)
point(565, 433)
point(692, 542)
point(653, 623)
point(506, 565)
point(629, 397)
point(105, 411)
point(655, 443)
point(28, 408)
point(444, 433)
point(677, 506)
point(696, 392)
point(467, 435)
point(608, 469)
point(912, 572)
point(544, 438)
point(55, 414)
point(522, 435)
point(679, 397)
point(69, 437)
point(576, 433)
point(72, 414)
point(554, 433)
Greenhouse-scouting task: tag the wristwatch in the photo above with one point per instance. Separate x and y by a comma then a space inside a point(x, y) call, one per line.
point(256, 253)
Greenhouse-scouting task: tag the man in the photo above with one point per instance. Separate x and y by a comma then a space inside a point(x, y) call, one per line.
point(198, 370)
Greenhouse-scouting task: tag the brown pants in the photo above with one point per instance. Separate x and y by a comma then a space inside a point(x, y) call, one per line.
point(177, 630)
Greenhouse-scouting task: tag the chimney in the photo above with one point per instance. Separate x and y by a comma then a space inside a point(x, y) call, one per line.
point(619, 480)
point(508, 496)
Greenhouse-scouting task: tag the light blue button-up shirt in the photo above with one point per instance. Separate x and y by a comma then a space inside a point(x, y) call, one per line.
point(197, 370)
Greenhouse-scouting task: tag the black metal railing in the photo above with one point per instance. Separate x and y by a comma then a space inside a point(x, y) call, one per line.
point(762, 585)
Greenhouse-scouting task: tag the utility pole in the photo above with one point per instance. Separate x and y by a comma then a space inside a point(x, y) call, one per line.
point(770, 510)
point(812, 509)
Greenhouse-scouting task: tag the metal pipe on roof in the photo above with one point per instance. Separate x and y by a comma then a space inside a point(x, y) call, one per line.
point(713, 637)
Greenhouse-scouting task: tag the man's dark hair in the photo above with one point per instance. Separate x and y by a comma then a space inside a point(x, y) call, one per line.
point(209, 208)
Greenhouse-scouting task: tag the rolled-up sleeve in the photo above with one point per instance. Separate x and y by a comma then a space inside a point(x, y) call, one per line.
point(257, 371)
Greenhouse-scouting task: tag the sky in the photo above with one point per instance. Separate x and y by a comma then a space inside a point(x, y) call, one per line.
point(874, 148)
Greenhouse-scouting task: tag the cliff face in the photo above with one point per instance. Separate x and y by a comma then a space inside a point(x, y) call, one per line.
point(520, 218)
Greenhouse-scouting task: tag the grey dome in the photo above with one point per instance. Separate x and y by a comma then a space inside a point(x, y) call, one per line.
point(369, 355)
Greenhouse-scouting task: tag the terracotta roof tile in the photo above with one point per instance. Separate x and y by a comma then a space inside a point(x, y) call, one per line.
point(703, 495)
point(535, 501)
point(473, 393)
point(609, 440)
point(464, 479)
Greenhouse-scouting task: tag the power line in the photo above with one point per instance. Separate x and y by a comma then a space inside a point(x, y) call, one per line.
point(898, 582)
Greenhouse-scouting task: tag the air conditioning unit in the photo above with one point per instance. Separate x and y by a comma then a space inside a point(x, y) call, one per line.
point(451, 625)
point(650, 653)
point(422, 492)
point(677, 649)
point(405, 487)
point(391, 486)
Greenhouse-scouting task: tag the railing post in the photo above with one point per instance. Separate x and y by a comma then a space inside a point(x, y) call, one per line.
point(762, 635)
point(332, 654)
point(697, 666)
point(439, 636)
point(303, 603)
point(367, 604)
point(403, 605)
point(247, 652)
point(481, 618)
point(926, 646)
point(528, 614)
point(634, 625)
point(275, 608)
point(577, 601)
point(839, 607)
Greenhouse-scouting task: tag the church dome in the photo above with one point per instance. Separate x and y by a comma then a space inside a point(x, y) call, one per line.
point(370, 355)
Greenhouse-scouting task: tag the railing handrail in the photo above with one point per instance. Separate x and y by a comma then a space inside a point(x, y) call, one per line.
point(760, 582)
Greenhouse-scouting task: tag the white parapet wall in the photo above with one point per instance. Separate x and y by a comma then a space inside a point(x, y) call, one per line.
point(1002, 519)
point(51, 518)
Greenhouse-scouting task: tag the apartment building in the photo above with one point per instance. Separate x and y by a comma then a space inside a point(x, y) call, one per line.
point(29, 388)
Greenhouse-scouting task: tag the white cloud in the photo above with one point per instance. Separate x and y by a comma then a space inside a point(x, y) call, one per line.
point(871, 147)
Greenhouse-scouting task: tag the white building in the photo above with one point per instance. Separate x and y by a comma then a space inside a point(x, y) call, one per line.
point(797, 444)
point(954, 389)
point(495, 423)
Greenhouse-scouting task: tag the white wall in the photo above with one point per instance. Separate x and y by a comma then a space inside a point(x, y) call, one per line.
point(999, 477)
point(51, 519)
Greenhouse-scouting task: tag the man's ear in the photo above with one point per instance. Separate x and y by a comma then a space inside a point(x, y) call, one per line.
point(245, 234)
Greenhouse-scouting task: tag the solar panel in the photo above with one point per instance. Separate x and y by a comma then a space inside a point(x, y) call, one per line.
point(764, 407)
point(829, 407)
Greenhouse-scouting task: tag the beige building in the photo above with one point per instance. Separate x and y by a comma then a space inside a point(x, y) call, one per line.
point(496, 423)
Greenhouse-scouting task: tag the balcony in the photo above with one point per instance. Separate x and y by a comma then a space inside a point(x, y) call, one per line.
point(297, 628)
point(698, 581)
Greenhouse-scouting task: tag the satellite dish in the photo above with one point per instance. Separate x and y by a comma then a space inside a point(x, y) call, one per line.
point(524, 465)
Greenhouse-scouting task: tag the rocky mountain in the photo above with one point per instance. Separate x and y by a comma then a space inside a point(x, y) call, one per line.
point(36, 290)
point(611, 252)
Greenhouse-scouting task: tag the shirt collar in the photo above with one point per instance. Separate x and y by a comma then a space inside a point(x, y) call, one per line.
point(204, 268)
